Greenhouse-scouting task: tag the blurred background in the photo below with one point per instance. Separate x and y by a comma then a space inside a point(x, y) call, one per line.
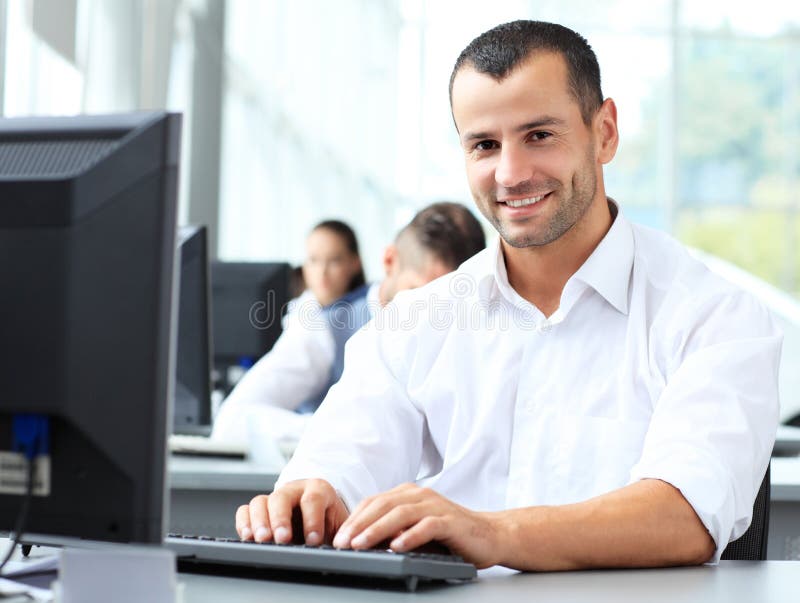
point(300, 110)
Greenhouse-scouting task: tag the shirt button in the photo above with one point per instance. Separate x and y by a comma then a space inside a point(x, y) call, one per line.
point(545, 327)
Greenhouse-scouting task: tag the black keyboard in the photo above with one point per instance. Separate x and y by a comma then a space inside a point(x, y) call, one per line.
point(374, 563)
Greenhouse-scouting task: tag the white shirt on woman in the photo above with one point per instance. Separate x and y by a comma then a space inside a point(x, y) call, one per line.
point(652, 367)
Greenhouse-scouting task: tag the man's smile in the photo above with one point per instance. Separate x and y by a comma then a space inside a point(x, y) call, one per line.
point(524, 202)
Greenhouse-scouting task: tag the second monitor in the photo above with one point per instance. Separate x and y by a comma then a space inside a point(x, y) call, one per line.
point(248, 301)
point(192, 408)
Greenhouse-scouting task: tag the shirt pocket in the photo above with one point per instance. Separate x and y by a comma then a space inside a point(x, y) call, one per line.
point(593, 455)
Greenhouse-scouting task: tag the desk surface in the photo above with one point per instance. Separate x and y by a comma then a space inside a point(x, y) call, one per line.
point(197, 473)
point(787, 440)
point(785, 479)
point(730, 582)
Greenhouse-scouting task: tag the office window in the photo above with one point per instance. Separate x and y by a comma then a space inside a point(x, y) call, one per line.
point(340, 109)
point(739, 130)
point(308, 124)
point(37, 79)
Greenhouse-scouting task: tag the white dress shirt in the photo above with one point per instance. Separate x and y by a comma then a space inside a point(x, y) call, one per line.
point(296, 369)
point(652, 367)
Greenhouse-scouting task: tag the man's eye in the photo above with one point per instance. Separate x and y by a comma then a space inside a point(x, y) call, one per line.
point(540, 135)
point(485, 145)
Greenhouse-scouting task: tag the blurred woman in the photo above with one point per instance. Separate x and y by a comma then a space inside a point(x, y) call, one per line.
point(296, 373)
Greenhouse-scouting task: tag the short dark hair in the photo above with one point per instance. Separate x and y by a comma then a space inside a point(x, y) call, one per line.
point(446, 230)
point(498, 51)
point(348, 235)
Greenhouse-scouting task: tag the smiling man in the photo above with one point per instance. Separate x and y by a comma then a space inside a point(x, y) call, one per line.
point(590, 397)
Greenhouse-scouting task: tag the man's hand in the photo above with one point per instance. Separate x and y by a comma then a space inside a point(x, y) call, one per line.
point(409, 516)
point(269, 517)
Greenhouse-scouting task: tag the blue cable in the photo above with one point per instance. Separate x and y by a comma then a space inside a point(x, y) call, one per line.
point(30, 434)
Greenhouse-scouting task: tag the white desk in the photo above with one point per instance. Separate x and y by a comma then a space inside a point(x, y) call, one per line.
point(730, 582)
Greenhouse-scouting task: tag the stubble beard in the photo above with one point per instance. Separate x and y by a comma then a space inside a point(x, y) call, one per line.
point(569, 210)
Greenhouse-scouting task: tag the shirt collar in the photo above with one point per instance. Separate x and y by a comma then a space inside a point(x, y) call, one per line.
point(607, 270)
point(487, 269)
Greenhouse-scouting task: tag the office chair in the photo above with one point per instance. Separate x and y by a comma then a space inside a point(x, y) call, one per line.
point(752, 545)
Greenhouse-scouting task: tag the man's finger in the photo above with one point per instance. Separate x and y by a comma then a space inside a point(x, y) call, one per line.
point(243, 523)
point(334, 518)
point(374, 509)
point(361, 519)
point(259, 519)
point(389, 525)
point(427, 529)
point(403, 492)
point(314, 503)
point(281, 503)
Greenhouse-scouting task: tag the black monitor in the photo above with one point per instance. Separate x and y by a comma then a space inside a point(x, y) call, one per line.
point(87, 249)
point(247, 303)
point(192, 408)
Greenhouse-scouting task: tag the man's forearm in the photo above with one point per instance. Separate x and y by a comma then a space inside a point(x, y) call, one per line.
point(646, 524)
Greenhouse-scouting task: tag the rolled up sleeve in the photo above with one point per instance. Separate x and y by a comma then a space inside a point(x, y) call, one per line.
point(713, 427)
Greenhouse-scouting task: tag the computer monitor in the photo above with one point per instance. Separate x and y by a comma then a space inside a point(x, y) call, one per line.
point(87, 249)
point(247, 303)
point(192, 408)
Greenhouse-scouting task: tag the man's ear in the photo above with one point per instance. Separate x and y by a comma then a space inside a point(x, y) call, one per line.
point(606, 131)
point(390, 261)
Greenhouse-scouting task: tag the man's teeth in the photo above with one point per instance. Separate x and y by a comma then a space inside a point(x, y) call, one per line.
point(524, 202)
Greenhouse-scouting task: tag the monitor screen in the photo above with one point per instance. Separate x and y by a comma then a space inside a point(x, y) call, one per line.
point(248, 300)
point(87, 249)
point(192, 408)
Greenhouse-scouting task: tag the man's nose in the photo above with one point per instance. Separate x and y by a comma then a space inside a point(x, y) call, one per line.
point(512, 168)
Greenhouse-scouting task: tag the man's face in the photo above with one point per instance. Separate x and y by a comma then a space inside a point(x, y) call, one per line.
point(530, 159)
point(401, 274)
